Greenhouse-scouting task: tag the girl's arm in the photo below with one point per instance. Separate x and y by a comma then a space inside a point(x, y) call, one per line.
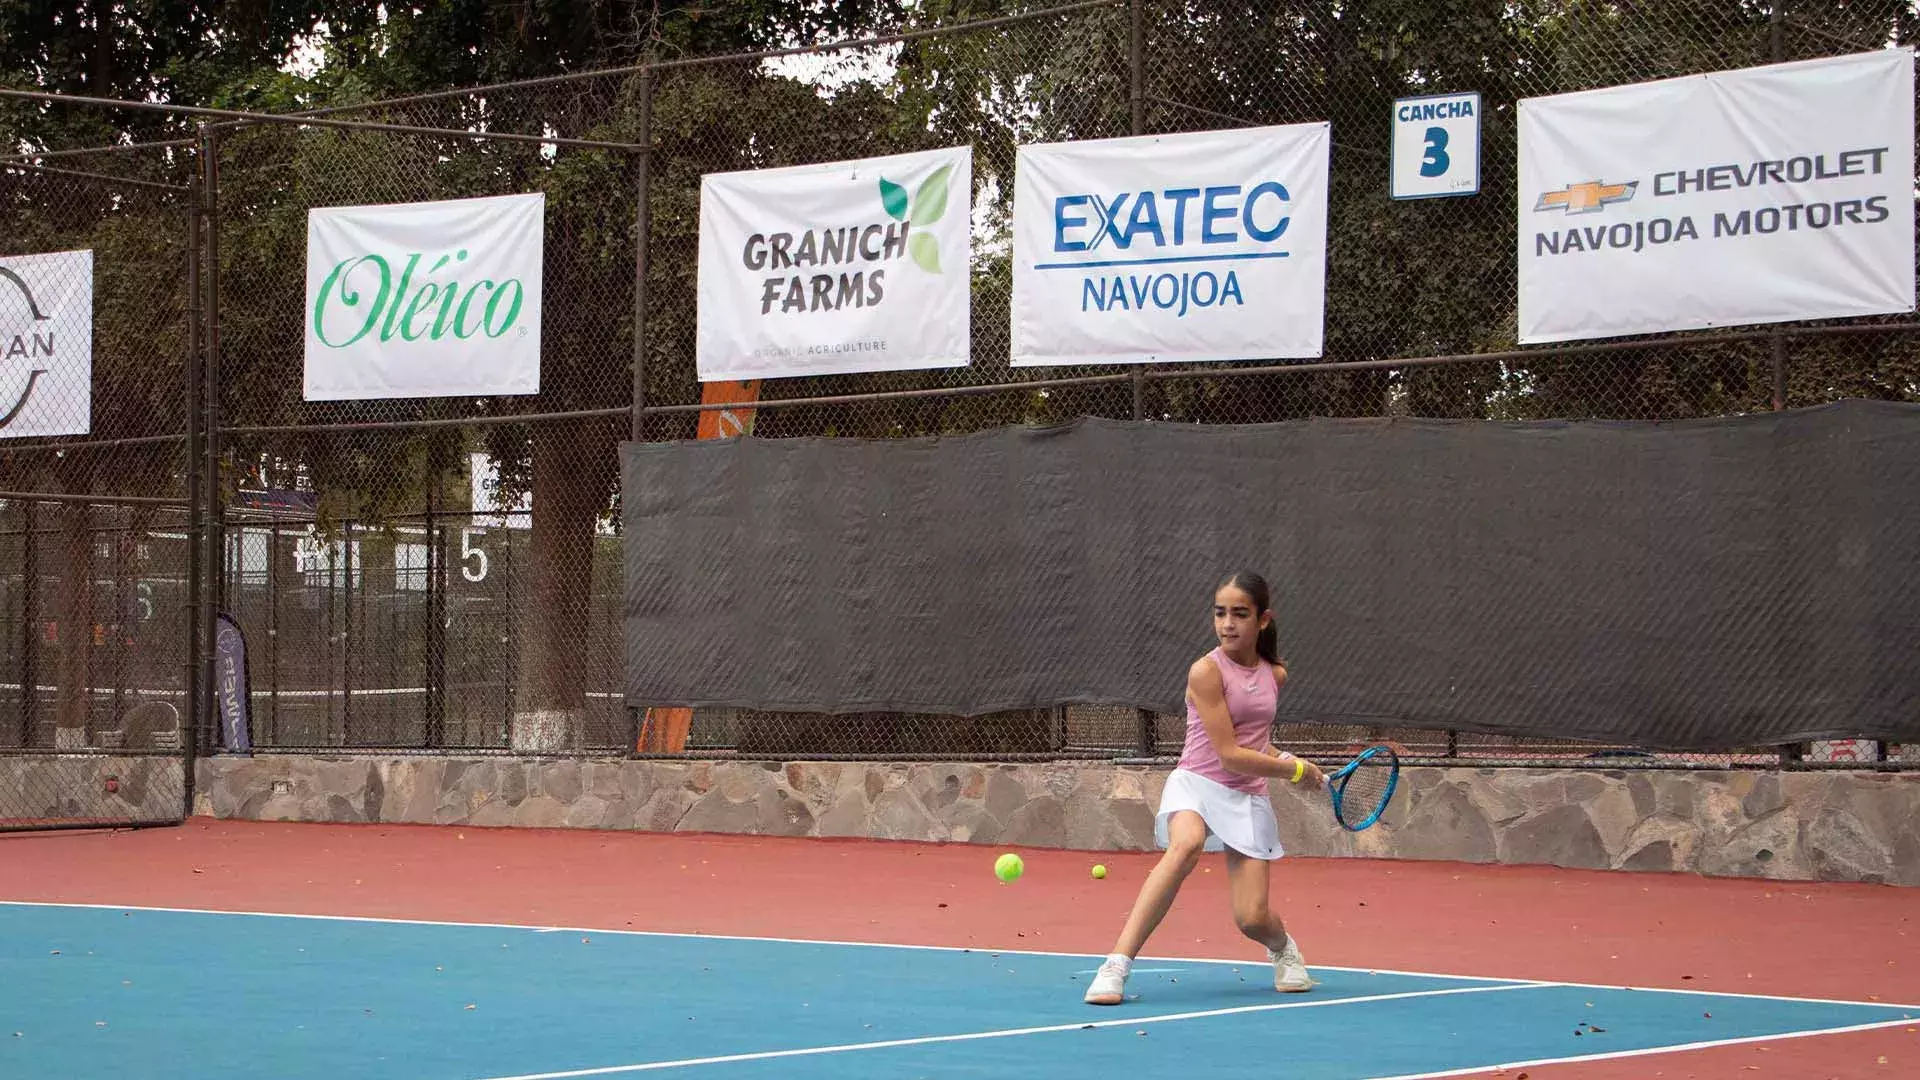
point(1310, 773)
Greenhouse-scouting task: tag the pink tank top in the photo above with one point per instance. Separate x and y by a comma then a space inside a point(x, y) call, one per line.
point(1252, 693)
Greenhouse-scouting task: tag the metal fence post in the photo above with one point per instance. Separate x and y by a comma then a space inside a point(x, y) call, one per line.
point(216, 558)
point(1137, 125)
point(1146, 737)
point(197, 664)
point(642, 229)
point(29, 623)
point(1777, 51)
point(273, 625)
point(1793, 753)
point(642, 241)
point(350, 591)
point(436, 583)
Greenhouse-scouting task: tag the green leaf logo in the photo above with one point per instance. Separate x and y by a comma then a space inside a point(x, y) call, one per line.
point(930, 202)
point(894, 198)
point(924, 251)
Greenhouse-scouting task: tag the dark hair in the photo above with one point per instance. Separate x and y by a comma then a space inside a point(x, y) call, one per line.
point(1255, 586)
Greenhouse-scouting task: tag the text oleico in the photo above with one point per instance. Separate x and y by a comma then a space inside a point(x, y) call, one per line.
point(398, 308)
point(819, 248)
point(1161, 222)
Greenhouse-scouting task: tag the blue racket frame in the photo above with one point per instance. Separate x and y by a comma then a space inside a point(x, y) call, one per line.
point(1336, 784)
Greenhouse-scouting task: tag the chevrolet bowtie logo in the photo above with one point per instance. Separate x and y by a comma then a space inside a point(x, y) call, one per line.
point(1586, 198)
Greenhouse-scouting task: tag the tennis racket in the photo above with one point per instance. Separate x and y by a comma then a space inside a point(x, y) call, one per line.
point(1362, 788)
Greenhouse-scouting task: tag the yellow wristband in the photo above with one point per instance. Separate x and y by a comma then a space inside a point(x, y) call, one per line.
point(1299, 769)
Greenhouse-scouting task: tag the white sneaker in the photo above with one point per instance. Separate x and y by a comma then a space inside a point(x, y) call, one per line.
point(1290, 970)
point(1110, 982)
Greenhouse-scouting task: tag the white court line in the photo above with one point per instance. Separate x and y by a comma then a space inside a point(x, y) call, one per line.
point(1647, 1052)
point(1005, 1033)
point(983, 950)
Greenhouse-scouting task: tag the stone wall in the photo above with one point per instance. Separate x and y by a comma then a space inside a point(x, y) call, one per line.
point(81, 788)
point(1846, 826)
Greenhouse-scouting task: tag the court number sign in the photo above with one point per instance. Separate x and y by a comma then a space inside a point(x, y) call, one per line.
point(473, 560)
point(1436, 146)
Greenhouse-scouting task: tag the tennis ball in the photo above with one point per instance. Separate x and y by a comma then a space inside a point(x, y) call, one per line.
point(1099, 872)
point(1008, 867)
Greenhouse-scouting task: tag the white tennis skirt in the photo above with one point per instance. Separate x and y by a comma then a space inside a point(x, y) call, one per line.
point(1239, 820)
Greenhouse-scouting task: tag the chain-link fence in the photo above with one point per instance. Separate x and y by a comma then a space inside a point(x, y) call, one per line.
point(95, 526)
point(1420, 309)
point(383, 607)
point(428, 574)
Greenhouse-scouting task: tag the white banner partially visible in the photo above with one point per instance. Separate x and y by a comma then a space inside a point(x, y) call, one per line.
point(1171, 248)
point(46, 344)
point(437, 299)
point(851, 266)
point(486, 498)
point(1764, 195)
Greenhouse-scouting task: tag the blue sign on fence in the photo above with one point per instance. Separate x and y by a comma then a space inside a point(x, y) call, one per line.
point(1436, 146)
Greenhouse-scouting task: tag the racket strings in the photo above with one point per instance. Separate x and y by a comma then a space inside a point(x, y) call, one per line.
point(1361, 791)
point(1365, 785)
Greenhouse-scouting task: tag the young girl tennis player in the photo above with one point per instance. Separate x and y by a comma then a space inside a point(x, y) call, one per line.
point(1217, 797)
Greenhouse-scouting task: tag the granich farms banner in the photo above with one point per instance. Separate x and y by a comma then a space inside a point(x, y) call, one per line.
point(854, 266)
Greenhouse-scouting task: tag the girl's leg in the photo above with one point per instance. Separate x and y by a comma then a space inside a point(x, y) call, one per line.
point(1247, 883)
point(1186, 839)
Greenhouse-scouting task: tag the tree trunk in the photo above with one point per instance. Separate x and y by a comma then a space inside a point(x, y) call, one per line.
point(105, 24)
point(73, 615)
point(572, 474)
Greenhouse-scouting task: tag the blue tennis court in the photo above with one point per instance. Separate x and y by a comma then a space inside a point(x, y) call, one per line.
point(116, 992)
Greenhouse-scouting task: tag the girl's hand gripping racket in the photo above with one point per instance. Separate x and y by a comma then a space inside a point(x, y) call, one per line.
point(1362, 788)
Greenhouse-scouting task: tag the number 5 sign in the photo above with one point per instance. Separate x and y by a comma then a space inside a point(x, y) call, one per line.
point(1436, 146)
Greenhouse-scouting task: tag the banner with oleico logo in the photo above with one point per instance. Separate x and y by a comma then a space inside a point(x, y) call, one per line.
point(438, 299)
point(851, 266)
point(1765, 195)
point(1171, 248)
